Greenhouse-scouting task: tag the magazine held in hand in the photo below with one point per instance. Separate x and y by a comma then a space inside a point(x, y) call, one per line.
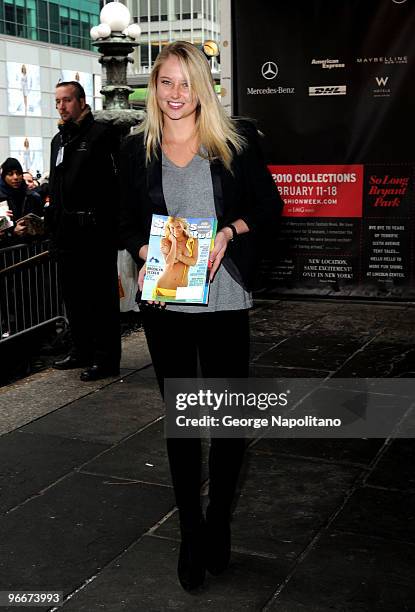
point(177, 268)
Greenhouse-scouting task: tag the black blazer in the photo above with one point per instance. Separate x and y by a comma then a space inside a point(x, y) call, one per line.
point(248, 193)
point(86, 181)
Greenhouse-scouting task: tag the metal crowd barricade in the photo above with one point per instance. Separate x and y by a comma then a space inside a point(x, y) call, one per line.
point(30, 296)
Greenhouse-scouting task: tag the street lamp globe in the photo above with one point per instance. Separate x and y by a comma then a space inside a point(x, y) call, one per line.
point(116, 15)
point(103, 30)
point(94, 32)
point(133, 31)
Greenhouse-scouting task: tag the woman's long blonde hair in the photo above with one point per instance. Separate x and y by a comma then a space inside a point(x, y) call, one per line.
point(217, 134)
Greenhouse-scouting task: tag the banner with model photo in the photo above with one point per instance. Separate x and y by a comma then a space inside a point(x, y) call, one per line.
point(29, 152)
point(23, 89)
point(331, 87)
point(85, 79)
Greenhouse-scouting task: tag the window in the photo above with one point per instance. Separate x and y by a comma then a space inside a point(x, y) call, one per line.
point(43, 35)
point(42, 15)
point(21, 29)
point(155, 50)
point(54, 17)
point(85, 25)
point(64, 25)
point(144, 55)
point(10, 19)
point(75, 29)
point(143, 10)
point(164, 15)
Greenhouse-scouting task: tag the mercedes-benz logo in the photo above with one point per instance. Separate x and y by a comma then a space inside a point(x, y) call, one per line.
point(398, 1)
point(269, 70)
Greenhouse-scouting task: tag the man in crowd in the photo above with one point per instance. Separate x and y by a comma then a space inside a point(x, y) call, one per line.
point(82, 220)
point(19, 199)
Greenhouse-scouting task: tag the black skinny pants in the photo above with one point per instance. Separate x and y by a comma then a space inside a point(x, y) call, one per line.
point(220, 340)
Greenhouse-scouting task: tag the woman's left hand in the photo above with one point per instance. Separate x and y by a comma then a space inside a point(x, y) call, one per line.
point(219, 249)
point(141, 276)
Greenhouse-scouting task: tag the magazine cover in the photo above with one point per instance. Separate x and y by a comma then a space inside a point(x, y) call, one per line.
point(178, 259)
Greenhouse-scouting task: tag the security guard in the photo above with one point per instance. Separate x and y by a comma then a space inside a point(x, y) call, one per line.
point(82, 219)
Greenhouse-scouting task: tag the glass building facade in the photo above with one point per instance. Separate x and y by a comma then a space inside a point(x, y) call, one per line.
point(163, 21)
point(61, 22)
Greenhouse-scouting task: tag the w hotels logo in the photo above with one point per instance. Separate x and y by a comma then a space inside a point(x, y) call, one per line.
point(382, 81)
point(382, 90)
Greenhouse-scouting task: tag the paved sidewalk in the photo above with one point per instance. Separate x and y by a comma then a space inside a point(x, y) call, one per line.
point(86, 504)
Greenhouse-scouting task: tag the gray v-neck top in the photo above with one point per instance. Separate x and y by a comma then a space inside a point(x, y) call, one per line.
point(188, 192)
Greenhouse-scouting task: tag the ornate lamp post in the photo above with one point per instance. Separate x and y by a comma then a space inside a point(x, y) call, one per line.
point(115, 40)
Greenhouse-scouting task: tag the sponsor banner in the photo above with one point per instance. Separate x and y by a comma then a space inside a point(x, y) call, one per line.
point(320, 191)
point(349, 110)
point(368, 243)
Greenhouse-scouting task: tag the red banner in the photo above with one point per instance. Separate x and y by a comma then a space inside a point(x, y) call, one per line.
point(320, 191)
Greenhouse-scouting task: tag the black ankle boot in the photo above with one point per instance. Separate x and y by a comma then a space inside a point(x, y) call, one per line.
point(218, 543)
point(191, 567)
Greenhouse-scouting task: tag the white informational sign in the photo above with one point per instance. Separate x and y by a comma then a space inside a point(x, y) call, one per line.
point(23, 82)
point(98, 98)
point(97, 85)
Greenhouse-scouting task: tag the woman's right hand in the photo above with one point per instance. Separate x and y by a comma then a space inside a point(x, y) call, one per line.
point(221, 243)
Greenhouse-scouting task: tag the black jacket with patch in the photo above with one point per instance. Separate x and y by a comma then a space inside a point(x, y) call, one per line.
point(83, 187)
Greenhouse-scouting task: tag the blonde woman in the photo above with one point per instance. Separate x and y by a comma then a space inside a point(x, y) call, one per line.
point(189, 159)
